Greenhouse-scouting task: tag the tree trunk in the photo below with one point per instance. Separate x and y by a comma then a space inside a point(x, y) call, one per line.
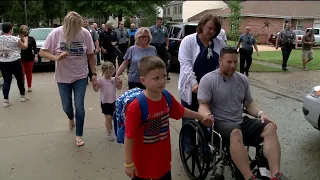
point(51, 19)
point(119, 17)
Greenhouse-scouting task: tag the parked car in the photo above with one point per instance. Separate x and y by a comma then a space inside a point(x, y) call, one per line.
point(40, 35)
point(311, 107)
point(176, 33)
point(299, 35)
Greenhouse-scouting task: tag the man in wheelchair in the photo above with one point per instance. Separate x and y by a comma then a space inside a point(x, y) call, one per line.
point(223, 93)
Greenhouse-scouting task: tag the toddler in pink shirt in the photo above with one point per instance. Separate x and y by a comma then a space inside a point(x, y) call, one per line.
point(107, 86)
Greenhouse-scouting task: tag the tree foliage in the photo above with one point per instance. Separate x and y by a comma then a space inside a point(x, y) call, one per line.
point(46, 11)
point(235, 7)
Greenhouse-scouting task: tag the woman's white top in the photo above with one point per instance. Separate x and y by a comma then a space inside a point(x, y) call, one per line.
point(9, 50)
point(188, 53)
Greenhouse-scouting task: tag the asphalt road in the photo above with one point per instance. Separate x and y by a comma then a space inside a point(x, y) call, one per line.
point(36, 144)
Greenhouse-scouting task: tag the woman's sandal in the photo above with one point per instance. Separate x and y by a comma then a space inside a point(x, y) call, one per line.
point(80, 143)
point(71, 126)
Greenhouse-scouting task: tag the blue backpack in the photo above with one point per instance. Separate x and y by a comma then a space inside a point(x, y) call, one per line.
point(119, 117)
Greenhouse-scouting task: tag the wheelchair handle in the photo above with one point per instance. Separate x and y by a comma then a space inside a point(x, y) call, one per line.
point(220, 145)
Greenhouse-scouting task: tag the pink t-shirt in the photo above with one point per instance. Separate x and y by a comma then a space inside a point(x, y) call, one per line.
point(107, 90)
point(74, 66)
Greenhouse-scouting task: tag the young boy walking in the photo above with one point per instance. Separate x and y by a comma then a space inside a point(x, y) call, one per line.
point(147, 146)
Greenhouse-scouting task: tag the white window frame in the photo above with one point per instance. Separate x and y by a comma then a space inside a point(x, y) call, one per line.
point(180, 9)
point(297, 25)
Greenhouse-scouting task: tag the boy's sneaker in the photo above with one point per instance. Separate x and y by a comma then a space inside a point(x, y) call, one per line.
point(24, 98)
point(110, 136)
point(29, 90)
point(6, 103)
point(279, 176)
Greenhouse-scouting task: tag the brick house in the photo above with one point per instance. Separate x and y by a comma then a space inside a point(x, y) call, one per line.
point(268, 17)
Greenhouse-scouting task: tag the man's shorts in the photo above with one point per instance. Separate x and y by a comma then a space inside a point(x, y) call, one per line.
point(307, 54)
point(251, 131)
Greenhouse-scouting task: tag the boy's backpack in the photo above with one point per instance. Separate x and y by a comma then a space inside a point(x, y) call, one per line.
point(119, 118)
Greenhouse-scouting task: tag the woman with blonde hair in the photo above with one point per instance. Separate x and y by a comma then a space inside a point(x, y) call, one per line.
point(70, 46)
point(10, 61)
point(28, 56)
point(134, 54)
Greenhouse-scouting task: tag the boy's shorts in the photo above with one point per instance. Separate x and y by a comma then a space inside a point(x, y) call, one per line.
point(167, 176)
point(108, 108)
point(307, 54)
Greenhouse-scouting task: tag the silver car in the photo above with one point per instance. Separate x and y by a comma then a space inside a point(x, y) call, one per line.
point(40, 35)
point(311, 107)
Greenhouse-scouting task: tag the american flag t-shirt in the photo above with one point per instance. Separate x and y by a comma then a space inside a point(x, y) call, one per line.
point(156, 129)
point(74, 49)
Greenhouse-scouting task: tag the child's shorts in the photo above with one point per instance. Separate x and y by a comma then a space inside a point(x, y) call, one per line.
point(108, 108)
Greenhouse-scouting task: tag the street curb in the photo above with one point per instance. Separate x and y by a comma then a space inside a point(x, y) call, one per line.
point(277, 90)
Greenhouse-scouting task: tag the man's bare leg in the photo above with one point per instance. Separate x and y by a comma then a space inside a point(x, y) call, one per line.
point(271, 148)
point(239, 153)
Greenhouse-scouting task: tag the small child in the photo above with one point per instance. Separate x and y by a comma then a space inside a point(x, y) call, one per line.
point(107, 86)
point(147, 146)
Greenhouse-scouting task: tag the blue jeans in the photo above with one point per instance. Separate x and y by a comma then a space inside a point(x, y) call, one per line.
point(79, 89)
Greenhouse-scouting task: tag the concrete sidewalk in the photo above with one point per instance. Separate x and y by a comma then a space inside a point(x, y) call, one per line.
point(36, 144)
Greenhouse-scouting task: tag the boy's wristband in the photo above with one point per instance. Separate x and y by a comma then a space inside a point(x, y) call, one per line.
point(129, 165)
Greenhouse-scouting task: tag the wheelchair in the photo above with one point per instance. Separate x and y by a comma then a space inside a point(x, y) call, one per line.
point(207, 151)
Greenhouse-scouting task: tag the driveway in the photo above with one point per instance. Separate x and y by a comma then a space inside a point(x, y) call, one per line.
point(36, 143)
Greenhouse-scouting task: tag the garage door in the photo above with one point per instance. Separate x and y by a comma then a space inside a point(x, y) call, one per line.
point(316, 23)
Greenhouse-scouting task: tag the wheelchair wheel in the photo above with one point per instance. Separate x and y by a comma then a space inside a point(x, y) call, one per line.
point(194, 151)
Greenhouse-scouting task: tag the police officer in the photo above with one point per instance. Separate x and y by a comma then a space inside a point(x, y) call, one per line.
point(287, 38)
point(246, 40)
point(95, 38)
point(123, 41)
point(132, 32)
point(160, 41)
point(107, 41)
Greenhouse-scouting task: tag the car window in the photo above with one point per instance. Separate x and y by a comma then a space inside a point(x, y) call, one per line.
point(316, 31)
point(176, 32)
point(189, 29)
point(40, 34)
point(299, 32)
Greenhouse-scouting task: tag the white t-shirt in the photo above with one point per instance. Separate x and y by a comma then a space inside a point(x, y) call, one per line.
point(9, 50)
point(223, 35)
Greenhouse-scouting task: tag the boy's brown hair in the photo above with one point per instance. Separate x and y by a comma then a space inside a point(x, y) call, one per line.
point(149, 63)
point(106, 66)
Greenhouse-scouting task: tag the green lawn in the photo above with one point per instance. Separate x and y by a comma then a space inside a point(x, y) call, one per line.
point(255, 67)
point(295, 59)
point(231, 43)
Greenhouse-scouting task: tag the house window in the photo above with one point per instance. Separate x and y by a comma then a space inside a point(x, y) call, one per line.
point(168, 11)
point(175, 10)
point(180, 9)
point(300, 25)
point(164, 11)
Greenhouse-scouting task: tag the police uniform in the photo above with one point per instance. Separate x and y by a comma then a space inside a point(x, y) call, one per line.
point(95, 37)
point(123, 38)
point(159, 35)
point(287, 38)
point(105, 39)
point(246, 50)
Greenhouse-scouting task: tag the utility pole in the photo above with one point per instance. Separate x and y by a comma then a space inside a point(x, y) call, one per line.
point(25, 12)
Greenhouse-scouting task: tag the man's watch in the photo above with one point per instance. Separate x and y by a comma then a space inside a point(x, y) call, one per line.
point(259, 114)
